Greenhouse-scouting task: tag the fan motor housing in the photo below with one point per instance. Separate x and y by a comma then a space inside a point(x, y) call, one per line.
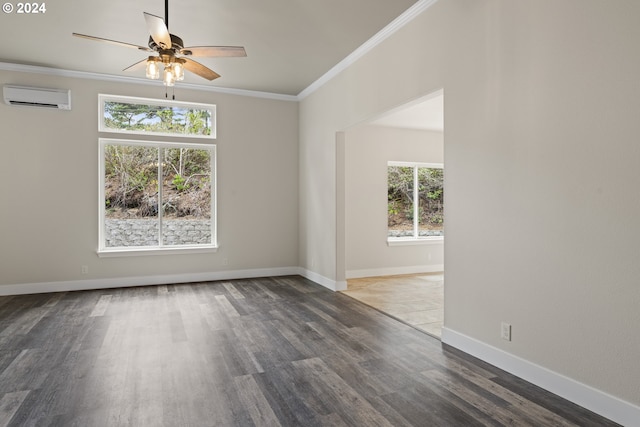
point(176, 43)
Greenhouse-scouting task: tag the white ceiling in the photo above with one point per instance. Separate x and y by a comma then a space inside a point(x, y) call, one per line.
point(424, 114)
point(289, 43)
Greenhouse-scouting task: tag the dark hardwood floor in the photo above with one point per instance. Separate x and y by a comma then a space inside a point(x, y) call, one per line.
point(264, 352)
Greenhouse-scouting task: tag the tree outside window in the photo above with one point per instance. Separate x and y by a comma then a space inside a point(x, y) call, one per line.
point(138, 118)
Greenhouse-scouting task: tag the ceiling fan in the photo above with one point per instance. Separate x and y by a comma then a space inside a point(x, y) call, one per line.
point(171, 53)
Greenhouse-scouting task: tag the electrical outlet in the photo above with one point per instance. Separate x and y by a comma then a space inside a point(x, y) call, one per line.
point(84, 269)
point(225, 261)
point(505, 331)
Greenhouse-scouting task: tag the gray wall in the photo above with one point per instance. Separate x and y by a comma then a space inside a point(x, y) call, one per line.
point(541, 110)
point(368, 149)
point(49, 188)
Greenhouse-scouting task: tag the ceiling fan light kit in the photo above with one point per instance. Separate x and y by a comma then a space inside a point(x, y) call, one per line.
point(173, 68)
point(171, 52)
point(153, 71)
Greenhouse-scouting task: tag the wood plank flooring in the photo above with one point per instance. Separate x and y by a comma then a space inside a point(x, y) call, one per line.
point(261, 352)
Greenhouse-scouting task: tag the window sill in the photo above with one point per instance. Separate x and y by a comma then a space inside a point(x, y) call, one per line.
point(144, 251)
point(413, 241)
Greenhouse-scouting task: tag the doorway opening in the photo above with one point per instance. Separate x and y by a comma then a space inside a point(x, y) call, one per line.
point(400, 275)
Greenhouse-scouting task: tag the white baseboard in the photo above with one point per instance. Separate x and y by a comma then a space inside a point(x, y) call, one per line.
point(394, 271)
point(608, 406)
point(124, 282)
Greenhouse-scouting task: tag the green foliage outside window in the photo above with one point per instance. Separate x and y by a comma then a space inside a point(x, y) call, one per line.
point(132, 188)
point(401, 208)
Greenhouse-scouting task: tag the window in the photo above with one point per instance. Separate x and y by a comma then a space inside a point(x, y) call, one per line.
point(156, 195)
point(139, 116)
point(415, 201)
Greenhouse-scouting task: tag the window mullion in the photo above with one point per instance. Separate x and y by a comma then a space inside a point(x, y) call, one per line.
point(416, 202)
point(160, 196)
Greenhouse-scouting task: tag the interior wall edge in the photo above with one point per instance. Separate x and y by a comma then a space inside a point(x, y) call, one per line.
point(333, 285)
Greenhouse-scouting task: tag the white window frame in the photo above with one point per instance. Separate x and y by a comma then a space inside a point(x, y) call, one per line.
point(415, 239)
point(166, 140)
point(102, 128)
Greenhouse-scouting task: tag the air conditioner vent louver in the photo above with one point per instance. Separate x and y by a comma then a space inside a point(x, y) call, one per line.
point(26, 96)
point(33, 104)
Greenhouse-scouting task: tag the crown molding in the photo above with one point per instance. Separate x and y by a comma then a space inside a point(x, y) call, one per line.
point(367, 46)
point(22, 68)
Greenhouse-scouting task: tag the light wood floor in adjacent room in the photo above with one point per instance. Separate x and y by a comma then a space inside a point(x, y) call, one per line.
point(416, 299)
point(275, 351)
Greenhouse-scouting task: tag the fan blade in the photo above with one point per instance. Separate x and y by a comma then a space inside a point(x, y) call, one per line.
point(199, 69)
point(117, 43)
point(137, 66)
point(158, 30)
point(213, 51)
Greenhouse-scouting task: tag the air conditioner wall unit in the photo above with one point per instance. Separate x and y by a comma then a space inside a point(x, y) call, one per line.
point(37, 97)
